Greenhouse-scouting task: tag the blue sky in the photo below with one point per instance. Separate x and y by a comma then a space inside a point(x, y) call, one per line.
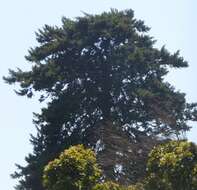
point(173, 24)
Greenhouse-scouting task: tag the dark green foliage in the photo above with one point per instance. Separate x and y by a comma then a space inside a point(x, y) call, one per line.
point(173, 166)
point(122, 158)
point(94, 69)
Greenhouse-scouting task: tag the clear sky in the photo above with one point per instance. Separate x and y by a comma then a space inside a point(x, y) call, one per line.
point(173, 24)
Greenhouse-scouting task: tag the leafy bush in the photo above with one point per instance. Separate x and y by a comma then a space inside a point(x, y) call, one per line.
point(75, 169)
point(108, 186)
point(173, 166)
point(138, 186)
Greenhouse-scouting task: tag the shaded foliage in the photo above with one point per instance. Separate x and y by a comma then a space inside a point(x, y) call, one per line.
point(121, 157)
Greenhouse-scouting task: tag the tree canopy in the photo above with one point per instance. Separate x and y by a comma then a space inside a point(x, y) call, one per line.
point(173, 166)
point(92, 70)
point(75, 169)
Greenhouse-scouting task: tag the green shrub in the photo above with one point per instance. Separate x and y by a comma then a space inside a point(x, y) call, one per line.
point(75, 169)
point(173, 166)
point(108, 186)
point(138, 186)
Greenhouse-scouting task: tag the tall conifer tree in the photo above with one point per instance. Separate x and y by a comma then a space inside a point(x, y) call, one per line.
point(98, 71)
